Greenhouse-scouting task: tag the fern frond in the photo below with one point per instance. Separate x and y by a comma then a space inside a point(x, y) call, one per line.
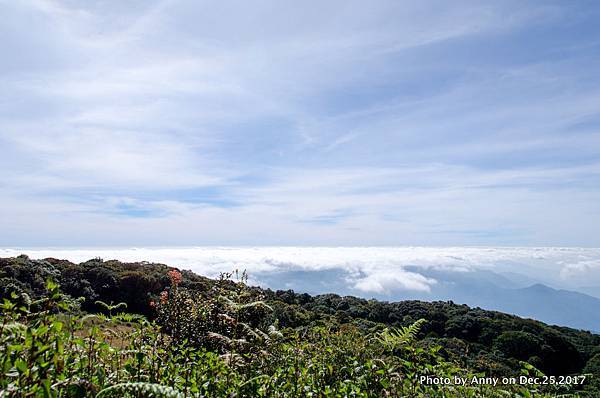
point(237, 306)
point(127, 317)
point(111, 306)
point(414, 329)
point(229, 303)
point(250, 331)
point(395, 338)
point(119, 306)
point(103, 317)
point(102, 304)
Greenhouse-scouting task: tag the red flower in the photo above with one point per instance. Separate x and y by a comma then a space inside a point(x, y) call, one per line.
point(152, 303)
point(175, 277)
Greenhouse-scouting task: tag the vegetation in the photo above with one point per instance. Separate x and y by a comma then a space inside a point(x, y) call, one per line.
point(63, 334)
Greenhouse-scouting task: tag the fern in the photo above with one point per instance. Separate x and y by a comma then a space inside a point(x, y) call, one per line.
point(149, 390)
point(249, 331)
point(127, 317)
point(237, 306)
point(111, 307)
point(396, 338)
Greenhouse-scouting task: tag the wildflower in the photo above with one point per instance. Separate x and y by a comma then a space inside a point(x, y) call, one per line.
point(175, 277)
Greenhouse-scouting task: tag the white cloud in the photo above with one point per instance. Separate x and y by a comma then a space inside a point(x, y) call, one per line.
point(370, 270)
point(581, 269)
point(394, 281)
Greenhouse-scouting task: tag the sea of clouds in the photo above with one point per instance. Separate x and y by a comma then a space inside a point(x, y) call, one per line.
point(368, 271)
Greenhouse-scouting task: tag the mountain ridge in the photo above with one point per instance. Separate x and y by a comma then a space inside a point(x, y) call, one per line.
point(539, 301)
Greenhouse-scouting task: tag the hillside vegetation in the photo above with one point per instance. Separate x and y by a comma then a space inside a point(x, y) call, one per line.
point(106, 328)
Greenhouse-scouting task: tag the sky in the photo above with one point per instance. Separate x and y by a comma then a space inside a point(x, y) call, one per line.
point(338, 123)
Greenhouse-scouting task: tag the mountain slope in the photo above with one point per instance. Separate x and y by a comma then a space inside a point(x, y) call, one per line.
point(486, 290)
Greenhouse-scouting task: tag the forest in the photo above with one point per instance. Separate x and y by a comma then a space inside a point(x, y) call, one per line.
point(107, 328)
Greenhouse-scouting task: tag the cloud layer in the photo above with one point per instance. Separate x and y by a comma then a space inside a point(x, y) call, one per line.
point(382, 271)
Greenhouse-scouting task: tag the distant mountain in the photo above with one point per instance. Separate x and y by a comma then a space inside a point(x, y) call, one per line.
point(560, 307)
point(519, 280)
point(506, 292)
point(489, 290)
point(590, 290)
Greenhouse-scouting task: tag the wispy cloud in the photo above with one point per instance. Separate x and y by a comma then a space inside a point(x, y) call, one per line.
point(288, 123)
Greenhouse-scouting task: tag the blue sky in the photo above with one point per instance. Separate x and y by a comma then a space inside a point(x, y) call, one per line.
point(299, 123)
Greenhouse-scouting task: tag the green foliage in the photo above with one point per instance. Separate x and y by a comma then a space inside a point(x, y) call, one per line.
point(397, 338)
point(230, 319)
point(518, 344)
point(140, 389)
point(110, 307)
